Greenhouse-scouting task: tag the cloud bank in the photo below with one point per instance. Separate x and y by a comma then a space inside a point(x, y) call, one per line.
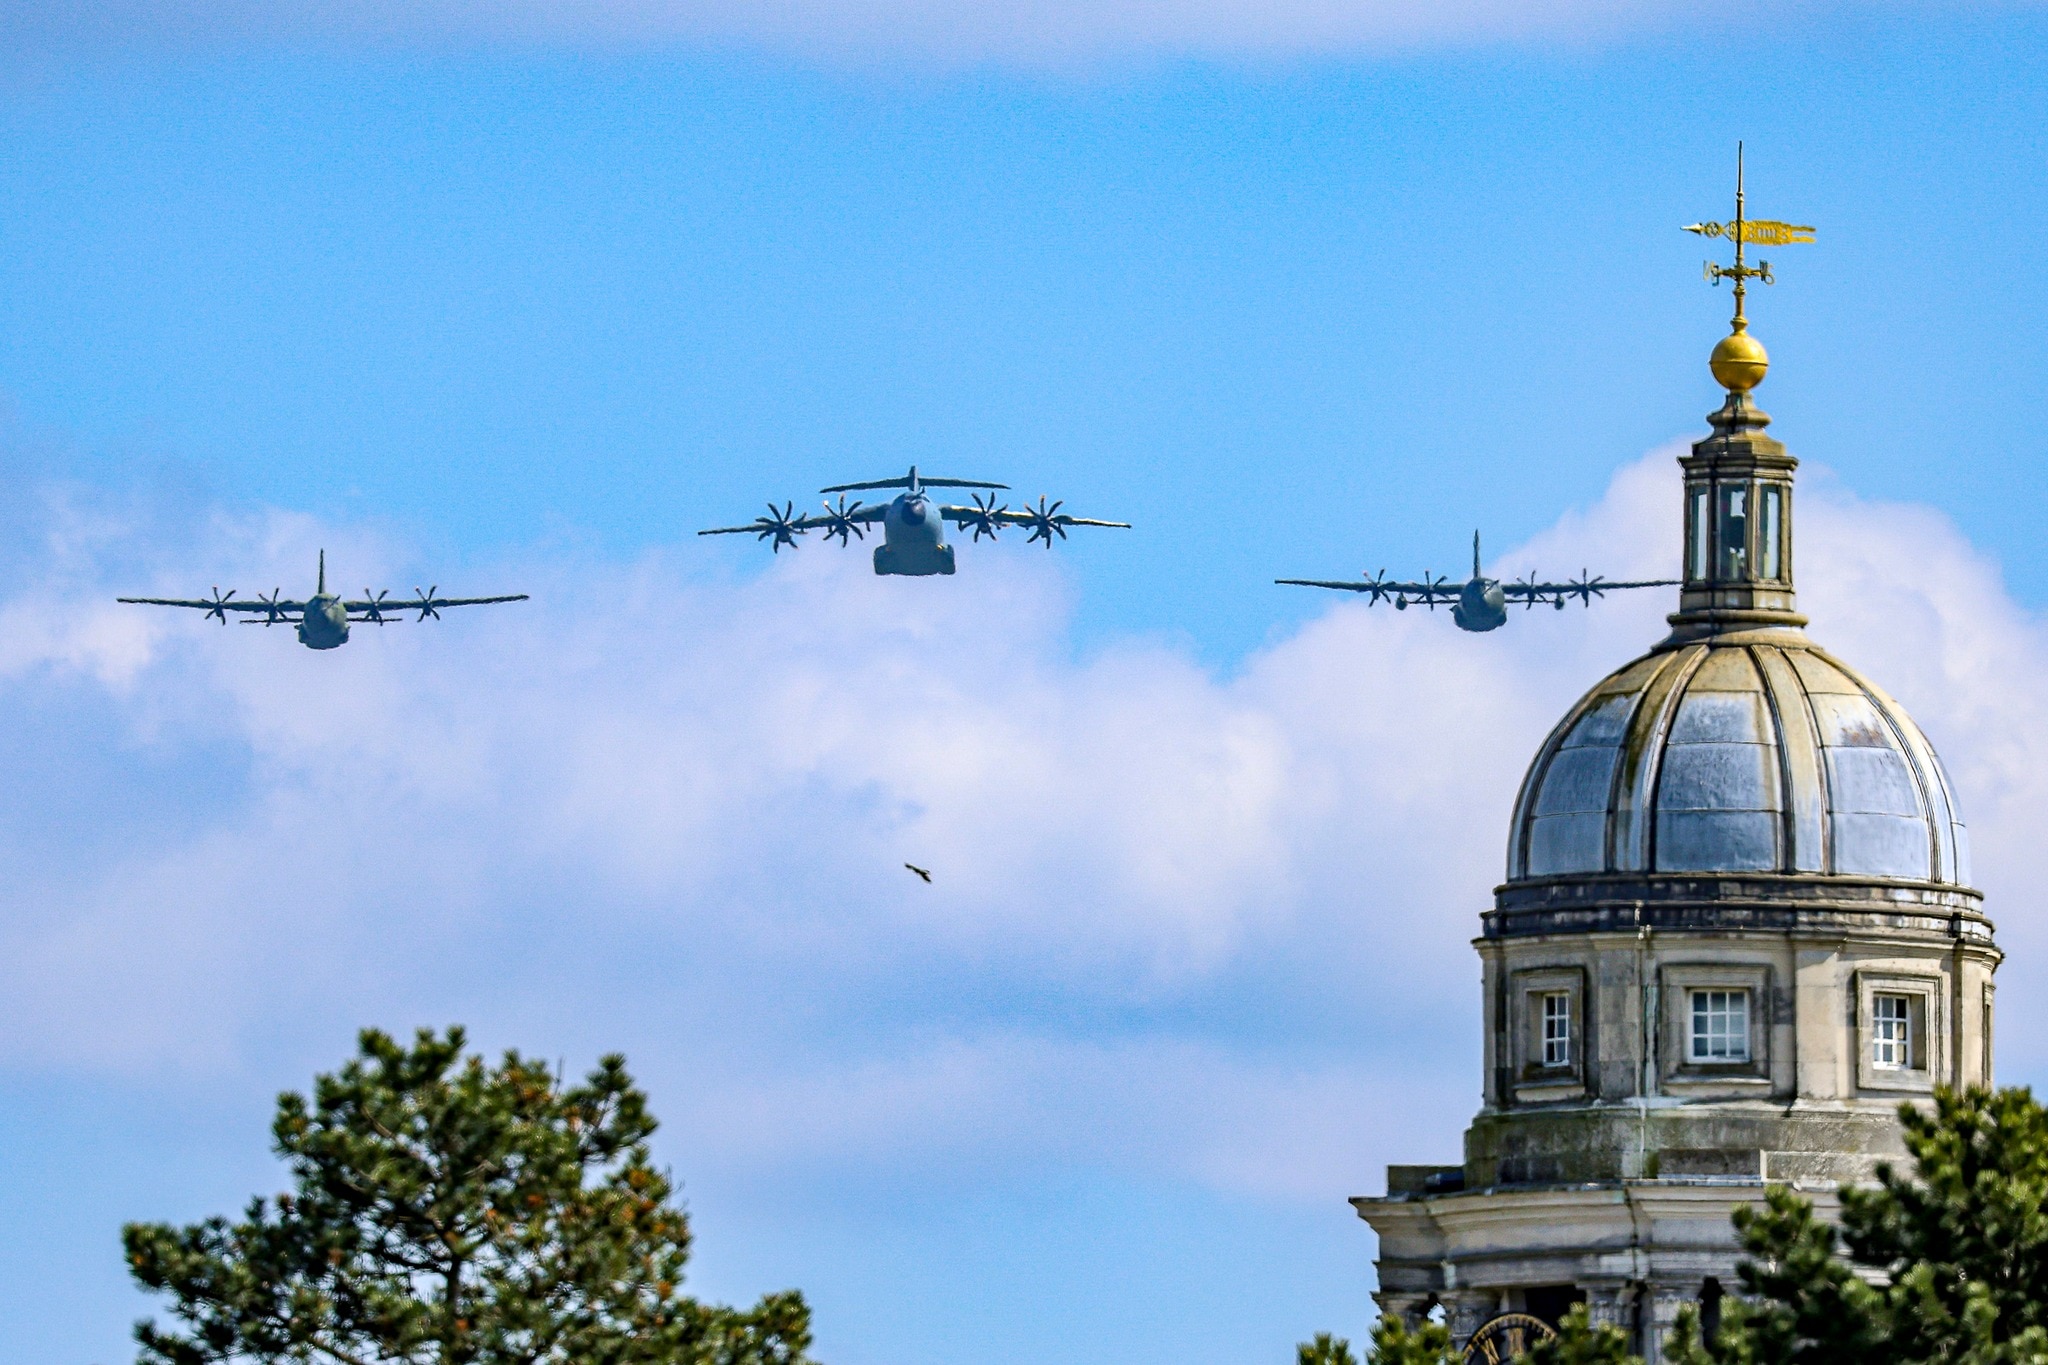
point(1031, 32)
point(1213, 925)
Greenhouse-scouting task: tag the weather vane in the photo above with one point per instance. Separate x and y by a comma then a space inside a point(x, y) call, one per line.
point(1744, 371)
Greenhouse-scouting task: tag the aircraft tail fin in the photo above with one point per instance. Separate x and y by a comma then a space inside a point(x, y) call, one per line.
point(322, 589)
point(1475, 554)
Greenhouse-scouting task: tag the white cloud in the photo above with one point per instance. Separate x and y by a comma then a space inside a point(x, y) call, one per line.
point(1211, 924)
point(1033, 32)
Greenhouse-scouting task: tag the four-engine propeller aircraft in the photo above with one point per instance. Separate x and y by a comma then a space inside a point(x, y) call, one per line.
point(1479, 603)
point(323, 619)
point(913, 525)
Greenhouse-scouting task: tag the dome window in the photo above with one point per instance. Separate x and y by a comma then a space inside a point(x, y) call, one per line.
point(1557, 1029)
point(1891, 1032)
point(1720, 1026)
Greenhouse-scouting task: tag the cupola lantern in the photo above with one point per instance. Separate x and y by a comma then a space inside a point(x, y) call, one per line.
point(1738, 481)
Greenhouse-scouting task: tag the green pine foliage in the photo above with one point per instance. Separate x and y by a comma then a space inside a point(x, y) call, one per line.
point(1948, 1264)
point(1325, 1350)
point(1394, 1344)
point(1580, 1342)
point(450, 1212)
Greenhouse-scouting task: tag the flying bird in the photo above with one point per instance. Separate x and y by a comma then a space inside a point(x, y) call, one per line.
point(919, 871)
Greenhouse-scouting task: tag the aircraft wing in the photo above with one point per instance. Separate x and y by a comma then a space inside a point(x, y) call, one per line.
point(1585, 589)
point(806, 522)
point(220, 606)
point(975, 516)
point(1439, 591)
point(968, 515)
point(415, 603)
point(381, 609)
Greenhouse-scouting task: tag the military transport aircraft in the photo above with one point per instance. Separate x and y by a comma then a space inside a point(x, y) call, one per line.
point(1479, 603)
point(913, 526)
point(323, 619)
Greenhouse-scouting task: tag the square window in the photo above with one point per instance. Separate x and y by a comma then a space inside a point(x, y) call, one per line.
point(1720, 1026)
point(1901, 1032)
point(1557, 1029)
point(1891, 1032)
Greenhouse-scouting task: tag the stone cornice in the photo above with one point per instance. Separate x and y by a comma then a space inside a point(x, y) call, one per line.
point(1756, 902)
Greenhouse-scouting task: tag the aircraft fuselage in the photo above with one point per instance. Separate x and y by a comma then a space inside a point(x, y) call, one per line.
point(325, 622)
point(1480, 605)
point(913, 537)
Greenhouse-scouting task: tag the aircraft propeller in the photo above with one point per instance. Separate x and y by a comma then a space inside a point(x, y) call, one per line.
point(782, 526)
point(1373, 585)
point(1045, 521)
point(425, 602)
point(1433, 584)
point(219, 607)
point(373, 609)
point(1587, 587)
point(838, 522)
point(273, 615)
point(983, 517)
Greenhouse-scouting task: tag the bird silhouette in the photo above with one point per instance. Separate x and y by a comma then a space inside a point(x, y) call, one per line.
point(919, 871)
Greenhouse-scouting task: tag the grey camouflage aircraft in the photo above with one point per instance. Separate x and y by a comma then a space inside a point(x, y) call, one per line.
point(1479, 603)
point(913, 525)
point(323, 619)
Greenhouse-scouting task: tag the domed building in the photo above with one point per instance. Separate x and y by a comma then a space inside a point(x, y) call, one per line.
point(1736, 931)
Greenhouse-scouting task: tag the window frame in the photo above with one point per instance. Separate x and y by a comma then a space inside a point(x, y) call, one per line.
point(1699, 558)
point(1676, 982)
point(1893, 1039)
point(1533, 1080)
point(1556, 1042)
point(1771, 501)
point(1927, 1025)
point(1719, 1003)
point(1734, 503)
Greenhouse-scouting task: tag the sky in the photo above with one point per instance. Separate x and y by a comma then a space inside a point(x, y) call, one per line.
point(502, 297)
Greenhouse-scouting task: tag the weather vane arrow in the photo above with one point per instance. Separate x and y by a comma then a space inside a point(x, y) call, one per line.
point(1745, 231)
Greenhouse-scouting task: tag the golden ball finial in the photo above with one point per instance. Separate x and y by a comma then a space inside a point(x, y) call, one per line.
point(1739, 361)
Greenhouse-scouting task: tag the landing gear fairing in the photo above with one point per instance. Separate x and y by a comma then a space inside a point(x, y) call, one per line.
point(913, 525)
point(324, 618)
point(1479, 603)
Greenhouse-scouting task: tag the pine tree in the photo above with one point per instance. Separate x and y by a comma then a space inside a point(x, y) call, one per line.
point(450, 1212)
point(1958, 1250)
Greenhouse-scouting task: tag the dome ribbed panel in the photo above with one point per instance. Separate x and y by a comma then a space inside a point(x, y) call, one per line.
point(1878, 821)
point(1720, 801)
point(1562, 820)
point(1806, 798)
point(1752, 757)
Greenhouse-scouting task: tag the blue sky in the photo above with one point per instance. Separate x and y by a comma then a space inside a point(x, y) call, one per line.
point(502, 299)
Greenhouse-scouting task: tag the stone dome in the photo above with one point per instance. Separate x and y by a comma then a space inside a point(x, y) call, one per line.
point(1744, 751)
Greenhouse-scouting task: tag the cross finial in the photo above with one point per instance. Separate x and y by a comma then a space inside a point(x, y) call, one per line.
point(1739, 361)
point(1743, 230)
